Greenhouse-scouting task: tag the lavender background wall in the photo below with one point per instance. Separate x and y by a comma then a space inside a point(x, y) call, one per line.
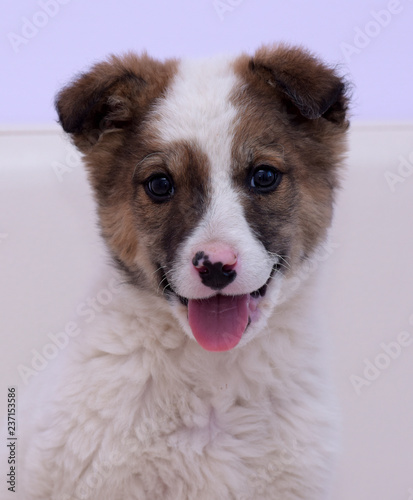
point(44, 42)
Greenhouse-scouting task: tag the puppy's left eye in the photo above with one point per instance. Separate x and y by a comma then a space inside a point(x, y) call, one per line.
point(159, 187)
point(265, 178)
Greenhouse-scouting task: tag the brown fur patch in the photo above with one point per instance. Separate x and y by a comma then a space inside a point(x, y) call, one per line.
point(113, 94)
point(171, 222)
point(293, 118)
point(142, 234)
point(104, 111)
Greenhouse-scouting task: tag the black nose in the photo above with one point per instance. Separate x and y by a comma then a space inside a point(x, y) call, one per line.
point(217, 275)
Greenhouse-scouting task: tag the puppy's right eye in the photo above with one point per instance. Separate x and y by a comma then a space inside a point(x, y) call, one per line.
point(264, 179)
point(159, 187)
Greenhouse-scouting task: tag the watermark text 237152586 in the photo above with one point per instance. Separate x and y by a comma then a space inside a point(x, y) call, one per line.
point(11, 438)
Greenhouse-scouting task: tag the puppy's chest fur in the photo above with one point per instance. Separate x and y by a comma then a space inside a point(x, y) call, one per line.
point(150, 409)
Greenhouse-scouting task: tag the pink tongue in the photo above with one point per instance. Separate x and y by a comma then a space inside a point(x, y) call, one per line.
point(218, 322)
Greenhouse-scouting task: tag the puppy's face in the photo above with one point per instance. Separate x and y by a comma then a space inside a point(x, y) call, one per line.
point(214, 179)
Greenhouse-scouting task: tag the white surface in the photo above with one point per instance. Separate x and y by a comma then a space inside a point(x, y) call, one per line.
point(50, 256)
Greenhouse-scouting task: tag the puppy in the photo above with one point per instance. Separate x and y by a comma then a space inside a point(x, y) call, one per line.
point(204, 378)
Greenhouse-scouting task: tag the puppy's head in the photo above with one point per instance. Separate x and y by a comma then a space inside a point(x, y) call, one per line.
point(214, 179)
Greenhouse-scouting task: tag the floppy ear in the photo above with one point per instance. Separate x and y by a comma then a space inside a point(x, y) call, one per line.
point(314, 89)
point(110, 96)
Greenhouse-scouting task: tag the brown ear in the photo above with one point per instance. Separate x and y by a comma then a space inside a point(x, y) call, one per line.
point(314, 89)
point(110, 96)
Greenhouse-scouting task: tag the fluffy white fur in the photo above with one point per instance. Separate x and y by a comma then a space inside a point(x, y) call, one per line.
point(140, 411)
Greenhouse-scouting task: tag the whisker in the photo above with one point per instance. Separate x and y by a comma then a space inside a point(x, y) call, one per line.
point(156, 270)
point(166, 286)
point(279, 264)
point(162, 269)
point(284, 264)
point(160, 283)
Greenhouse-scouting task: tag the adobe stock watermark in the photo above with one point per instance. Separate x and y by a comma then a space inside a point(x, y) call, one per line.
point(404, 171)
point(223, 7)
point(73, 157)
point(266, 476)
point(86, 311)
point(72, 160)
point(363, 36)
point(100, 469)
point(152, 426)
point(31, 27)
point(374, 367)
point(96, 474)
point(276, 467)
point(322, 254)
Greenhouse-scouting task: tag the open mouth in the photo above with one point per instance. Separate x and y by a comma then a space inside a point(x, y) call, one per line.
point(219, 322)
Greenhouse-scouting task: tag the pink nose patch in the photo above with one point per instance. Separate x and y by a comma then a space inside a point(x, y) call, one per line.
point(218, 323)
point(216, 265)
point(216, 253)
